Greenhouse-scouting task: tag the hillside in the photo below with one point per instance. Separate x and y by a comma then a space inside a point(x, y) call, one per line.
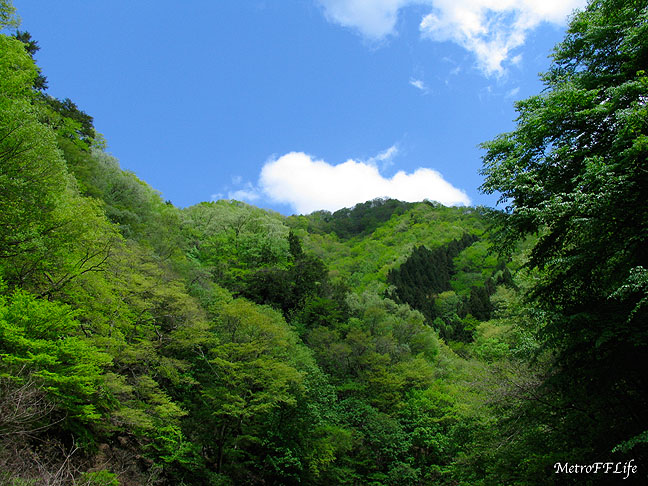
point(220, 343)
point(389, 343)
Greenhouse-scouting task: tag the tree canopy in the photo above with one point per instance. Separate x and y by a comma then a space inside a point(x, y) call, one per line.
point(574, 173)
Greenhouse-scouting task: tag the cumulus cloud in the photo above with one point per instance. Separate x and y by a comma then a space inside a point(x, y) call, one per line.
point(308, 185)
point(490, 29)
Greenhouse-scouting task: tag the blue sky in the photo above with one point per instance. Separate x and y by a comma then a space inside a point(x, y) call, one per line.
point(297, 105)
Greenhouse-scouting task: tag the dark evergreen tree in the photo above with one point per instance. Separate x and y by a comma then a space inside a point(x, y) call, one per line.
point(32, 47)
point(426, 273)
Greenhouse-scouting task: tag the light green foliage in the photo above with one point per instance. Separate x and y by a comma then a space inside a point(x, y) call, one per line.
point(48, 235)
point(130, 203)
point(98, 478)
point(18, 72)
point(364, 261)
point(230, 238)
point(489, 344)
point(253, 360)
point(473, 266)
point(41, 340)
point(32, 173)
point(383, 350)
point(207, 388)
point(250, 371)
point(141, 312)
point(7, 15)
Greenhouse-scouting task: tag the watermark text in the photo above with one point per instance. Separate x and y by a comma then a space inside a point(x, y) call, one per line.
point(625, 468)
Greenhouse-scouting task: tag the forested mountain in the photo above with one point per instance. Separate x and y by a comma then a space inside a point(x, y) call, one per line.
point(390, 343)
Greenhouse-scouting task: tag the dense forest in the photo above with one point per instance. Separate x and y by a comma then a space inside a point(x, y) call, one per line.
point(390, 343)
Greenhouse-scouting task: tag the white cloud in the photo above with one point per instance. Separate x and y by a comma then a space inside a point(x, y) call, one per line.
point(419, 84)
point(388, 154)
point(248, 193)
point(384, 158)
point(490, 29)
point(375, 19)
point(308, 185)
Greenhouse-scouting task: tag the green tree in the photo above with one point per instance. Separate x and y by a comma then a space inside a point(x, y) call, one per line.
point(48, 234)
point(7, 14)
point(42, 341)
point(574, 173)
point(248, 372)
point(32, 174)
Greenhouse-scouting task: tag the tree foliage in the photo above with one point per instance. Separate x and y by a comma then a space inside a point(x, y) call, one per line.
point(360, 220)
point(383, 344)
point(7, 14)
point(574, 173)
